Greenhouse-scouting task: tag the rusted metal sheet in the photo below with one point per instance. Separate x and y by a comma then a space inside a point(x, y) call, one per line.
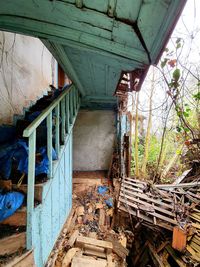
point(179, 239)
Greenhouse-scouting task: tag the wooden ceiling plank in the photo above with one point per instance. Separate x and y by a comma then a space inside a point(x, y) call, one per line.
point(64, 61)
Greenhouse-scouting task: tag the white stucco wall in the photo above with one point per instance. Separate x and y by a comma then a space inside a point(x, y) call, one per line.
point(26, 70)
point(93, 140)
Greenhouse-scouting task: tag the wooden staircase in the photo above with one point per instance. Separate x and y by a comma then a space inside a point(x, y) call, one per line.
point(13, 251)
point(15, 241)
point(13, 229)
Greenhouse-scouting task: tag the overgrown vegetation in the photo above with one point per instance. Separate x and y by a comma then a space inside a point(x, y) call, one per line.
point(163, 155)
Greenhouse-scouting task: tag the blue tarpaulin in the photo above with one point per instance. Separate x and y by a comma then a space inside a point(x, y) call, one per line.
point(9, 203)
point(102, 189)
point(18, 152)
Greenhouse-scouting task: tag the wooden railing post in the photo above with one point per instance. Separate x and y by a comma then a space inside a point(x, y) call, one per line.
point(74, 101)
point(49, 142)
point(31, 188)
point(67, 113)
point(65, 106)
point(57, 141)
point(63, 114)
point(71, 106)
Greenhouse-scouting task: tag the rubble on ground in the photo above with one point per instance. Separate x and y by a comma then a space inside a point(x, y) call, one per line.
point(88, 237)
point(133, 223)
point(169, 218)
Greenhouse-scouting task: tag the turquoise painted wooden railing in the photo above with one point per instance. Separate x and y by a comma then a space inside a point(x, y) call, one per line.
point(66, 108)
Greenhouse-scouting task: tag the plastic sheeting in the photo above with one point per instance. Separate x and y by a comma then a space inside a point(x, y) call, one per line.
point(18, 153)
point(9, 203)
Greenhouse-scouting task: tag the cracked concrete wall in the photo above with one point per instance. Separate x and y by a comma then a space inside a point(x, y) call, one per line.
point(26, 70)
point(93, 140)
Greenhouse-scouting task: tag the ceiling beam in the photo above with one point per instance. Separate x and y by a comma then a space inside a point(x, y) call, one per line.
point(118, 60)
point(62, 21)
point(61, 56)
point(99, 98)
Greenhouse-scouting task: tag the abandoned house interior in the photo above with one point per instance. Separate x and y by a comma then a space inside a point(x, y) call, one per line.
point(67, 197)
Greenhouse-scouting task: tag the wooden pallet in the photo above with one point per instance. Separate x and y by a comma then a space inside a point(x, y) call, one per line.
point(153, 208)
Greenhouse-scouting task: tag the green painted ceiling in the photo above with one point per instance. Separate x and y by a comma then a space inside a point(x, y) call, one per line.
point(94, 40)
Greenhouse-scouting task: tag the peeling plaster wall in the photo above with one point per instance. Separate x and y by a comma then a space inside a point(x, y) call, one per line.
point(26, 70)
point(93, 140)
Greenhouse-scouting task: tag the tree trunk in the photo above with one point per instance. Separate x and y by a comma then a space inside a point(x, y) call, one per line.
point(148, 133)
point(171, 163)
point(136, 137)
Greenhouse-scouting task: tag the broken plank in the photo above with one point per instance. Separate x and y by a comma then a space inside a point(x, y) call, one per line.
point(25, 260)
point(110, 260)
point(87, 262)
point(159, 216)
point(94, 251)
point(175, 257)
point(181, 177)
point(149, 198)
point(148, 204)
point(155, 258)
point(183, 185)
point(69, 256)
point(118, 248)
point(101, 217)
point(145, 218)
point(148, 194)
point(81, 240)
point(12, 243)
point(73, 238)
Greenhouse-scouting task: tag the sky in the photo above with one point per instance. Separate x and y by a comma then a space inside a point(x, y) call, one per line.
point(188, 29)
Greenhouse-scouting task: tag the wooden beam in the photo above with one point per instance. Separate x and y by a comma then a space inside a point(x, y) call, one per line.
point(99, 98)
point(59, 53)
point(50, 20)
point(117, 60)
point(88, 262)
point(95, 242)
point(26, 259)
point(13, 243)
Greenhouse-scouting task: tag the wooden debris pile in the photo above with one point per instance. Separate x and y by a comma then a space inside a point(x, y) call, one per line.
point(155, 248)
point(175, 208)
point(87, 237)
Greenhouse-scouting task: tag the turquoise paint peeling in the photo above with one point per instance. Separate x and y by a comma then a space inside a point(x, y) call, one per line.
point(45, 222)
point(49, 217)
point(95, 40)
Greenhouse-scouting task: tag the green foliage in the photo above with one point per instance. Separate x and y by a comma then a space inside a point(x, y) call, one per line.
point(154, 149)
point(197, 96)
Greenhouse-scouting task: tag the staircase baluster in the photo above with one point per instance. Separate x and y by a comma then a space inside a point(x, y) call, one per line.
point(31, 187)
point(57, 109)
point(49, 142)
point(67, 113)
point(63, 118)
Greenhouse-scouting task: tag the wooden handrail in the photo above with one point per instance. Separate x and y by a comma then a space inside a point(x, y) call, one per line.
point(66, 107)
point(33, 126)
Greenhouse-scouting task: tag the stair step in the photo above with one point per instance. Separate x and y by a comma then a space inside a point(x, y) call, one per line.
point(21, 126)
point(24, 188)
point(25, 260)
point(41, 104)
point(17, 117)
point(18, 218)
point(13, 243)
